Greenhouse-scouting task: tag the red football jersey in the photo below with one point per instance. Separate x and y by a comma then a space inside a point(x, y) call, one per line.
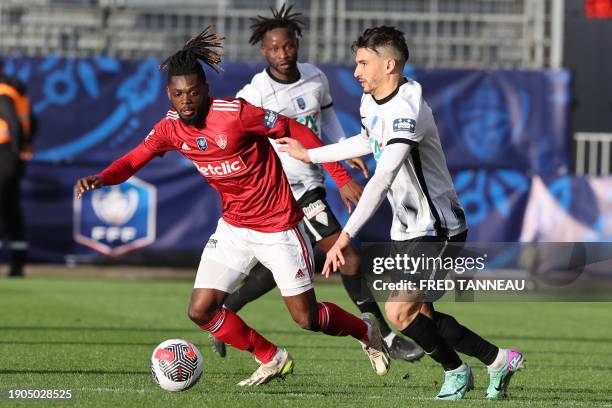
point(232, 152)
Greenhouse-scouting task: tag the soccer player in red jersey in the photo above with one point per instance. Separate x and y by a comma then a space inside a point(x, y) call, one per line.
point(227, 140)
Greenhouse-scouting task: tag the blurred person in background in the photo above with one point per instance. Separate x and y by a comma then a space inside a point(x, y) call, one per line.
point(16, 130)
point(301, 91)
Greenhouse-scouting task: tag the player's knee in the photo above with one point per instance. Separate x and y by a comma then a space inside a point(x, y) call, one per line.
point(401, 314)
point(307, 321)
point(201, 313)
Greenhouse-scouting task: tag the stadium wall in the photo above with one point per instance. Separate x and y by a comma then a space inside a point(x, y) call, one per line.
point(506, 135)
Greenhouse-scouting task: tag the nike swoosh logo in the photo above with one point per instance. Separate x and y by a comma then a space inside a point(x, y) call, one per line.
point(448, 395)
point(515, 361)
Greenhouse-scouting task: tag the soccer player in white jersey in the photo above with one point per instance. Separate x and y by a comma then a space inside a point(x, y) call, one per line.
point(399, 129)
point(301, 91)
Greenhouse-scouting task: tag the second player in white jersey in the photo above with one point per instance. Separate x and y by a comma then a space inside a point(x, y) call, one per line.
point(399, 129)
point(419, 186)
point(422, 195)
point(308, 101)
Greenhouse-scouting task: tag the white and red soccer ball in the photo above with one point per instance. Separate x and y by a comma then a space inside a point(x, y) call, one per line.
point(176, 365)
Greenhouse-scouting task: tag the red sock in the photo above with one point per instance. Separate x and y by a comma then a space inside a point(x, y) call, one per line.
point(228, 327)
point(335, 321)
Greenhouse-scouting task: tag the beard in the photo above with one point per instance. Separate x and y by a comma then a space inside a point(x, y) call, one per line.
point(195, 120)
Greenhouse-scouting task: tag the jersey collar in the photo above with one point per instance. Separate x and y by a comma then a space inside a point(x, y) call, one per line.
point(391, 95)
point(280, 81)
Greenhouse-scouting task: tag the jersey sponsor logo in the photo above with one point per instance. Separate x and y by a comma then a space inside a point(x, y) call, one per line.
point(404, 125)
point(202, 143)
point(301, 102)
point(212, 243)
point(313, 209)
point(377, 147)
point(270, 118)
point(184, 146)
point(221, 169)
point(310, 121)
point(221, 140)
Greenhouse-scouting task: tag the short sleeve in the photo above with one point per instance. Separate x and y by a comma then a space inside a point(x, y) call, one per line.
point(263, 122)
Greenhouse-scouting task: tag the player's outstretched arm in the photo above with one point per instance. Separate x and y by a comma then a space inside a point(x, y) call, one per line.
point(352, 147)
point(389, 164)
point(294, 149)
point(87, 183)
point(332, 129)
point(118, 171)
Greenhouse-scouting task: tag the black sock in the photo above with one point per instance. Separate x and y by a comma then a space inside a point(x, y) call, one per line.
point(259, 282)
point(464, 340)
point(363, 299)
point(424, 332)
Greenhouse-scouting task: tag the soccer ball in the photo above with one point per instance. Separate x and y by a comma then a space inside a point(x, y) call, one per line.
point(176, 365)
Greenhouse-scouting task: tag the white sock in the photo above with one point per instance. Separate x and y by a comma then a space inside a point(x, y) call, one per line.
point(499, 360)
point(389, 338)
point(459, 369)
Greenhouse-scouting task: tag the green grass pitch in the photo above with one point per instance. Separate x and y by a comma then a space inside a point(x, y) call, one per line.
point(95, 337)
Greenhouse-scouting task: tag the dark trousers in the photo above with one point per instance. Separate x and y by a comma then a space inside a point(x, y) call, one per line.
point(11, 217)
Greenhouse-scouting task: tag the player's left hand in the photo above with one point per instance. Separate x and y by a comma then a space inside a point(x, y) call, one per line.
point(358, 163)
point(351, 193)
point(334, 258)
point(294, 148)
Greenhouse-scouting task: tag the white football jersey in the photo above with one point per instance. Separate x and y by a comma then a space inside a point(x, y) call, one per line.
point(301, 100)
point(422, 195)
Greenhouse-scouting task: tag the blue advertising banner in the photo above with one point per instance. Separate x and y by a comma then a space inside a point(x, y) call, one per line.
point(497, 128)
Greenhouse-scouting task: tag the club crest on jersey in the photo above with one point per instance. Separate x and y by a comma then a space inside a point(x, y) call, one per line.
point(270, 118)
point(221, 140)
point(301, 102)
point(202, 143)
point(404, 125)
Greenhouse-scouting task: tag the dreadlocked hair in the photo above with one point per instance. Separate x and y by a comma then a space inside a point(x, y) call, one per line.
point(205, 47)
point(282, 18)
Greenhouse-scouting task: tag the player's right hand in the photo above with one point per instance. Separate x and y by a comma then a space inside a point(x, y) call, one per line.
point(87, 183)
point(358, 163)
point(294, 148)
point(350, 194)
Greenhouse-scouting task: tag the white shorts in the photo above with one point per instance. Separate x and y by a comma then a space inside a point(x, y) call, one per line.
point(231, 252)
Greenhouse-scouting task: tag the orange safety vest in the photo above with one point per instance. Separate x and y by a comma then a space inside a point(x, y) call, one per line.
point(22, 108)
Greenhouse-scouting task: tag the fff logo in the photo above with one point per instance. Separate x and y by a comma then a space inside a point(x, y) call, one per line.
point(117, 219)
